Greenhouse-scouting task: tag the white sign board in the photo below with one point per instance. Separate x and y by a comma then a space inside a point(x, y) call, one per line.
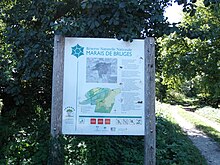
point(103, 92)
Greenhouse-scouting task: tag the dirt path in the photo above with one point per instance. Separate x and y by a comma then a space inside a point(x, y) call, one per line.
point(209, 148)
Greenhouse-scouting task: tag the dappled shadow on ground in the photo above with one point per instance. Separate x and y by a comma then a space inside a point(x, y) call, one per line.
point(208, 147)
point(211, 132)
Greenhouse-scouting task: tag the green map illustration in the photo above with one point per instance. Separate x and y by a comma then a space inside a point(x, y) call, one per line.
point(103, 98)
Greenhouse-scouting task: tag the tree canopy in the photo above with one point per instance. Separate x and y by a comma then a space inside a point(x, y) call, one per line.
point(28, 28)
point(192, 56)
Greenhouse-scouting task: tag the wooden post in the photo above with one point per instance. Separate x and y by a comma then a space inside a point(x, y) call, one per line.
point(56, 157)
point(150, 124)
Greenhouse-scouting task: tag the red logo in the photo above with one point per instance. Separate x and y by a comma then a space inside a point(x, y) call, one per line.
point(92, 121)
point(107, 121)
point(100, 121)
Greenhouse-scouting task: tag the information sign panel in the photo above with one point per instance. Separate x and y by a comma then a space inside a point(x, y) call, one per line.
point(103, 87)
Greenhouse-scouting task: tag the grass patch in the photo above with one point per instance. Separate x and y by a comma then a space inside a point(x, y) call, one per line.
point(201, 125)
point(210, 113)
point(173, 145)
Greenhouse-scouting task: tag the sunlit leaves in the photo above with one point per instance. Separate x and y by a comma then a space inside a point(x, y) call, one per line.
point(193, 54)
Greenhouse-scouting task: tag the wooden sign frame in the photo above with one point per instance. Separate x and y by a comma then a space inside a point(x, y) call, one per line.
point(57, 97)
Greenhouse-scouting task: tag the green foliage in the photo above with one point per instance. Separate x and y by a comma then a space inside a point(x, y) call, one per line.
point(27, 30)
point(25, 140)
point(26, 56)
point(116, 19)
point(191, 66)
point(104, 150)
point(30, 144)
point(173, 146)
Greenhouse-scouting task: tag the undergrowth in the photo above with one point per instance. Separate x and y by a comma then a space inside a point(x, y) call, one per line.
point(28, 144)
point(173, 145)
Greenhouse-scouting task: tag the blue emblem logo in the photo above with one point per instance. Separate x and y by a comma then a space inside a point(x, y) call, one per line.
point(77, 50)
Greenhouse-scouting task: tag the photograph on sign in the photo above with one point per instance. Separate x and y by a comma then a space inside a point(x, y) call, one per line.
point(103, 91)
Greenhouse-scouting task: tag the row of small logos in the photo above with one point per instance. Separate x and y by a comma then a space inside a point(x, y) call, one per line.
point(100, 121)
point(107, 121)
